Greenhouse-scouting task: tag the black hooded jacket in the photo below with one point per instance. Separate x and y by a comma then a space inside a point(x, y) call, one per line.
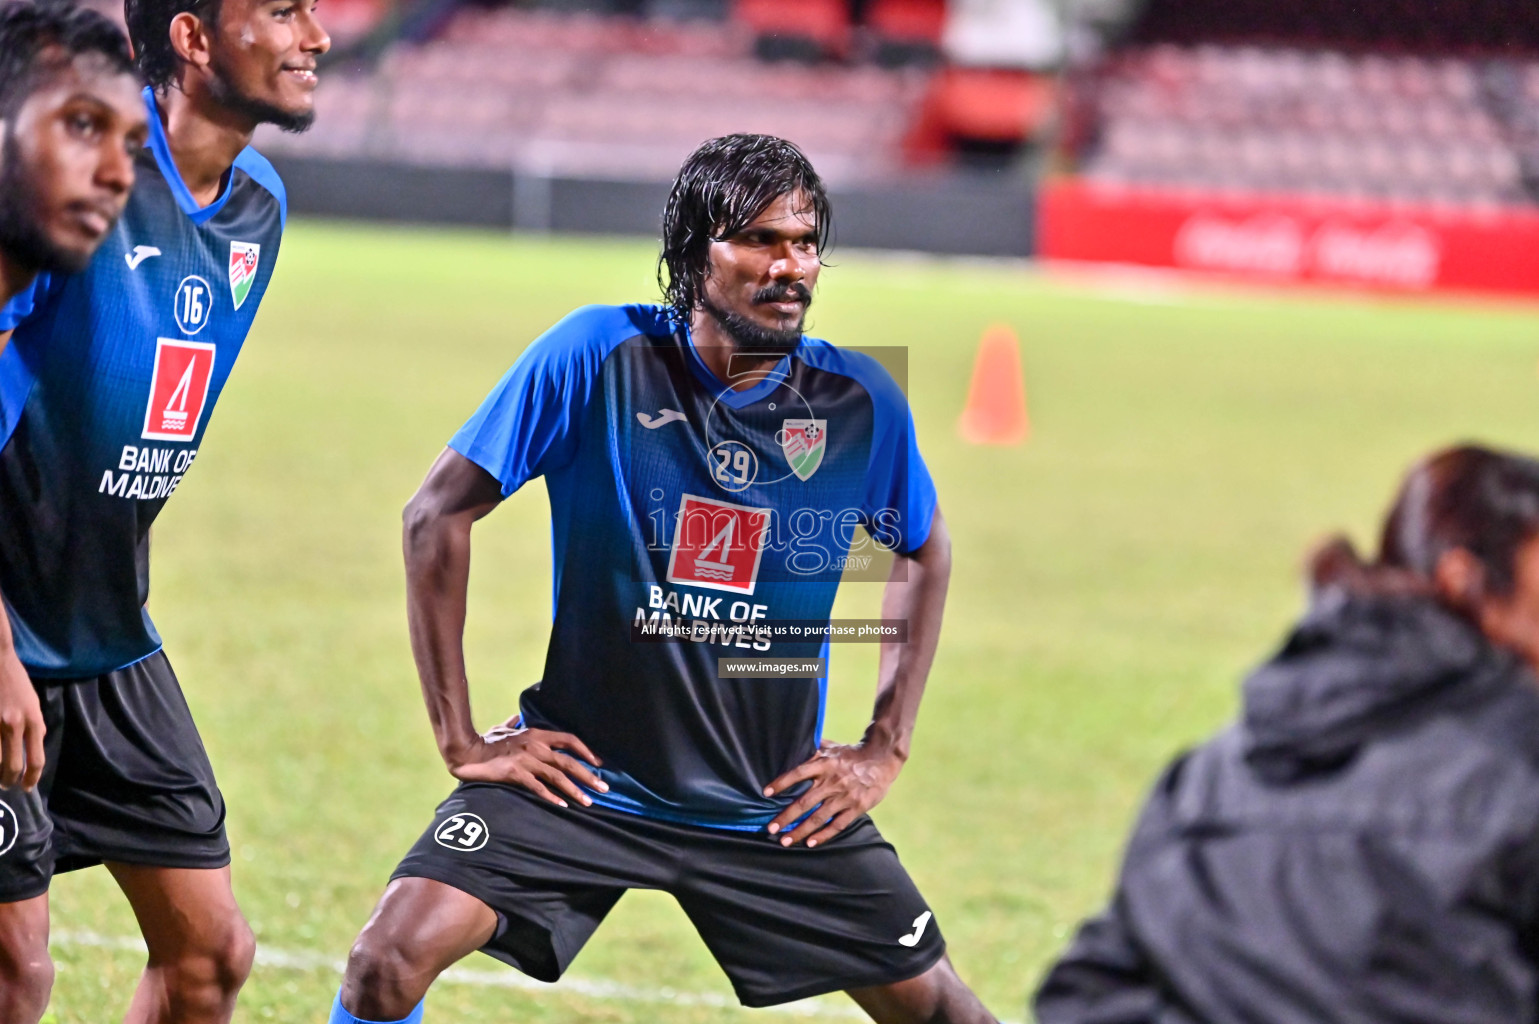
point(1362, 847)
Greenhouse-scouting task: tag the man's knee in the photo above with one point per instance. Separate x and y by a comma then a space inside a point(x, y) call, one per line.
point(232, 958)
point(419, 927)
point(385, 977)
point(938, 996)
point(217, 958)
point(26, 978)
point(26, 970)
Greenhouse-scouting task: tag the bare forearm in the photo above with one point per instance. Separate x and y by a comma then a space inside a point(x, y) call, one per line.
point(436, 540)
point(849, 780)
point(916, 593)
point(437, 577)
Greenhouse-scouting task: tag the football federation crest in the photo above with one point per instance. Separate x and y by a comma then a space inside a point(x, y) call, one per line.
point(718, 545)
point(244, 257)
point(804, 442)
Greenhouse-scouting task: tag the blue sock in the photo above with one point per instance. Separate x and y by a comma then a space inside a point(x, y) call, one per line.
point(341, 1016)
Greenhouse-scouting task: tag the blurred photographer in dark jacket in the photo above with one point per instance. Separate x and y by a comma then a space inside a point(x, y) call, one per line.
point(1363, 845)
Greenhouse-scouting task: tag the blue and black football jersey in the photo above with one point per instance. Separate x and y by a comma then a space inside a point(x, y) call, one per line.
point(105, 391)
point(675, 499)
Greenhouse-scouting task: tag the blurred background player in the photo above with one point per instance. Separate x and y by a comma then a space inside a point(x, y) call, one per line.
point(69, 103)
point(636, 765)
point(105, 392)
point(1364, 844)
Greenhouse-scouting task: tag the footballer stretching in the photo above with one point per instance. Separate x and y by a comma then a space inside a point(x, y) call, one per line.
point(677, 443)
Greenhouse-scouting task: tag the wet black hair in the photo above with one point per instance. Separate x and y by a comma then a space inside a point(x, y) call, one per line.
point(37, 38)
point(149, 26)
point(721, 188)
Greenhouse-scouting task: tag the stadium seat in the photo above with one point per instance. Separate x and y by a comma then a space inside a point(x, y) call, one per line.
point(1397, 127)
point(797, 29)
point(1450, 26)
point(906, 31)
point(981, 110)
point(607, 97)
point(348, 21)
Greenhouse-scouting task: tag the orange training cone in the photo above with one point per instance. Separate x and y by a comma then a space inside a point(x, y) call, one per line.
point(996, 403)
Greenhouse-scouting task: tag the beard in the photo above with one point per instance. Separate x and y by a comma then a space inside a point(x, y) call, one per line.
point(22, 238)
point(754, 337)
point(229, 96)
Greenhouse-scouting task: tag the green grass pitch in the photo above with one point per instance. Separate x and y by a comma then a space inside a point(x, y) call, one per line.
point(1114, 577)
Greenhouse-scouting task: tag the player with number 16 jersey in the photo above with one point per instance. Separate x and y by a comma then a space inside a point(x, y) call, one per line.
point(105, 392)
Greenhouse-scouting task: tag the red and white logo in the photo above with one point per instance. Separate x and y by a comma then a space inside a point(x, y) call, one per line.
point(718, 545)
point(178, 389)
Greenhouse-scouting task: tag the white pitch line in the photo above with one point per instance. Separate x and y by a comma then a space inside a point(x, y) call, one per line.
point(309, 960)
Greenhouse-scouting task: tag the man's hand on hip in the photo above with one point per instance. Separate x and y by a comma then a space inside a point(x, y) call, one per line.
point(21, 725)
point(539, 760)
point(847, 781)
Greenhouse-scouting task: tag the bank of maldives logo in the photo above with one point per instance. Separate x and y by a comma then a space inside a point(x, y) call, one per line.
point(718, 545)
point(178, 389)
point(244, 257)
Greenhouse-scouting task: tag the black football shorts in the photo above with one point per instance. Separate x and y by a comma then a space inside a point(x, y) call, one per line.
point(783, 923)
point(126, 779)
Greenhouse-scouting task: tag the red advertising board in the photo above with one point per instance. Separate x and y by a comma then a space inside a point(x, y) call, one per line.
point(1293, 238)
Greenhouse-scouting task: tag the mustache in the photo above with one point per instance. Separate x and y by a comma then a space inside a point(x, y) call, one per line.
point(782, 292)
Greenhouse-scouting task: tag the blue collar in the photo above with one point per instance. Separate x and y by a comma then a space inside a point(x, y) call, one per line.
point(776, 376)
point(162, 149)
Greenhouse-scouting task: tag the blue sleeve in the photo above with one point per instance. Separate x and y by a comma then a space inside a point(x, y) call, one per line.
point(528, 425)
point(25, 302)
point(900, 495)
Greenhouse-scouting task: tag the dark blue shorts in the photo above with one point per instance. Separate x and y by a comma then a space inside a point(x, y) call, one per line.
point(125, 779)
point(783, 923)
